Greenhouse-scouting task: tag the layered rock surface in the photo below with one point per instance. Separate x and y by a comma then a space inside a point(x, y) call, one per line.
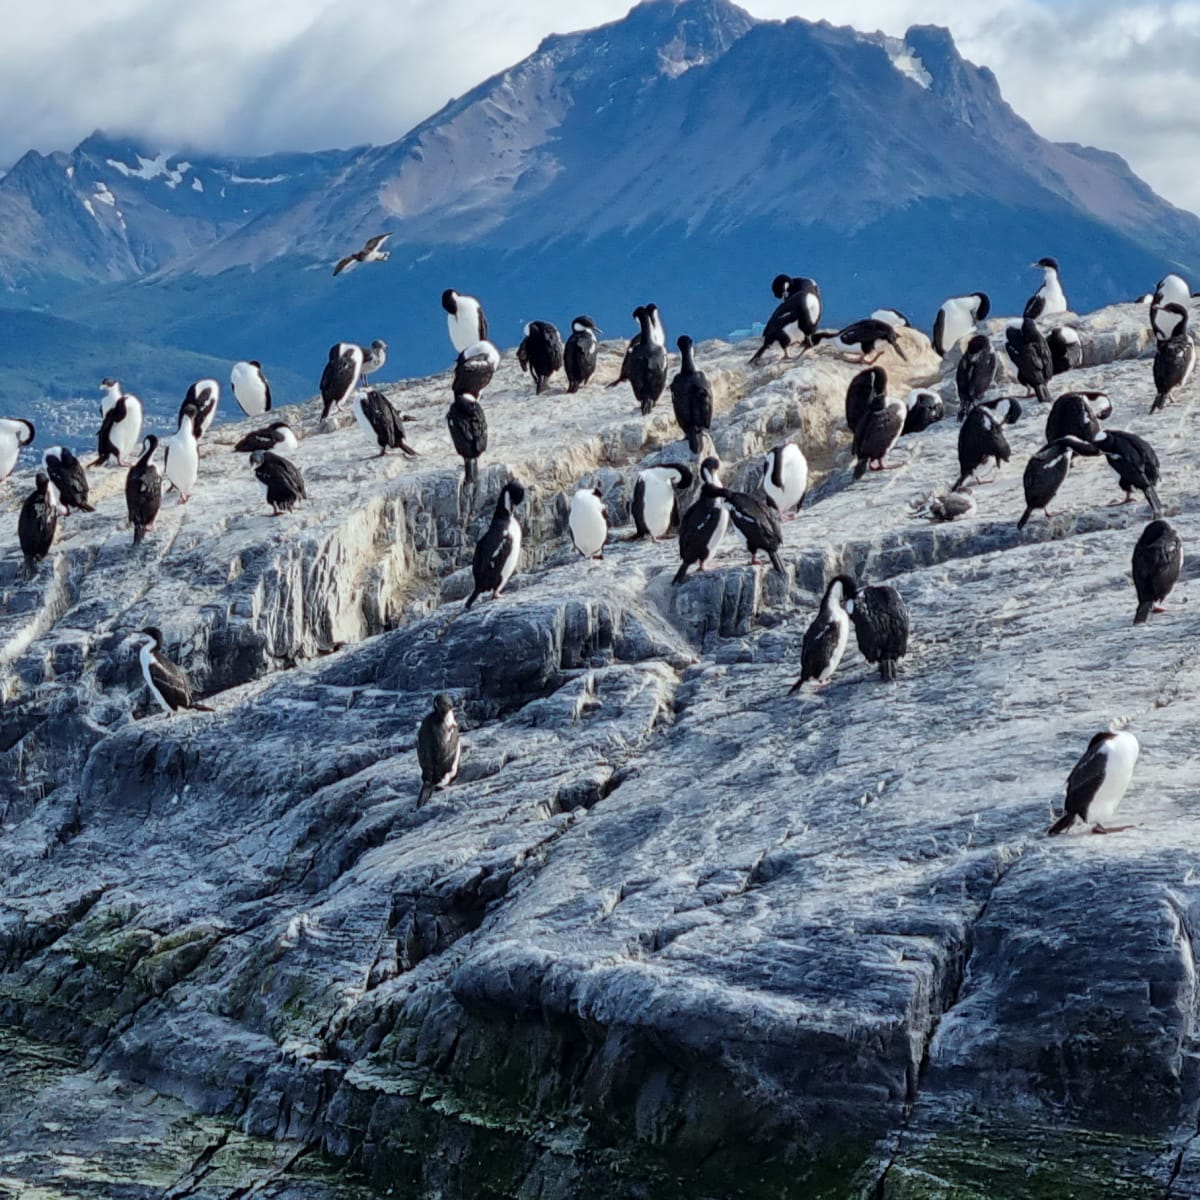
point(671, 929)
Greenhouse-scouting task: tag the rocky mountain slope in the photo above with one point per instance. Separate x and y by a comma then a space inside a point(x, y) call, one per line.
point(671, 931)
point(660, 148)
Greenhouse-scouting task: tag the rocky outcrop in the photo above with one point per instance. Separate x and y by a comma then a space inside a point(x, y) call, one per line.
point(671, 931)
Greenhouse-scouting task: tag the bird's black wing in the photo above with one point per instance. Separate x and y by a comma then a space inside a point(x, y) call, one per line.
point(437, 745)
point(820, 638)
point(1034, 306)
point(256, 439)
point(1084, 781)
point(881, 623)
point(939, 331)
point(171, 682)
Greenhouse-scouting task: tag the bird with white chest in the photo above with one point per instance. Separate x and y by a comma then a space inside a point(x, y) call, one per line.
point(250, 388)
point(1098, 783)
point(181, 455)
point(1049, 299)
point(465, 319)
point(655, 506)
point(15, 434)
point(785, 478)
point(588, 522)
point(957, 318)
point(168, 684)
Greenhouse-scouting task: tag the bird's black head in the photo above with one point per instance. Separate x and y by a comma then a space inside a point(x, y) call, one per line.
point(878, 380)
point(683, 477)
point(28, 434)
point(584, 322)
point(279, 425)
point(379, 344)
point(640, 312)
point(258, 458)
point(684, 343)
point(844, 584)
point(42, 482)
point(1047, 264)
point(376, 396)
point(1176, 308)
point(188, 413)
point(978, 344)
point(984, 306)
point(442, 704)
point(1029, 330)
point(781, 286)
point(597, 493)
point(709, 468)
point(109, 383)
point(514, 492)
point(450, 301)
point(154, 634)
point(149, 443)
point(1099, 739)
point(255, 364)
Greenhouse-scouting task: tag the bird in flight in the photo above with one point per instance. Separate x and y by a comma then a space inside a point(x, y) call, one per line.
point(369, 253)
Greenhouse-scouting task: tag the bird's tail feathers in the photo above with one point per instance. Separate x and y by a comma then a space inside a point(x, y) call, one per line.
point(472, 598)
point(1061, 825)
point(681, 574)
point(860, 468)
point(1151, 495)
point(1143, 612)
point(776, 561)
point(202, 708)
point(424, 794)
point(1025, 518)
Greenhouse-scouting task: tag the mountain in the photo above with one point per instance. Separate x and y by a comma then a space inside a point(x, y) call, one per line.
point(685, 154)
point(112, 210)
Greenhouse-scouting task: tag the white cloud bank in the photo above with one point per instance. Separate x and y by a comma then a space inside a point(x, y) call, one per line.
point(251, 76)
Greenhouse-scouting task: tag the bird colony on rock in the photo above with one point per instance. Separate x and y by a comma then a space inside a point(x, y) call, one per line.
point(875, 419)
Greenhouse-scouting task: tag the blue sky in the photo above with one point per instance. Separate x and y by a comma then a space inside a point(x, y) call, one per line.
point(257, 75)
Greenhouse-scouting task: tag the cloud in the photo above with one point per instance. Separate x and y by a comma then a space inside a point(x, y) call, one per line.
point(251, 76)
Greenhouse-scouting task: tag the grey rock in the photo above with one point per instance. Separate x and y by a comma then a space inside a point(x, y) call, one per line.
point(670, 931)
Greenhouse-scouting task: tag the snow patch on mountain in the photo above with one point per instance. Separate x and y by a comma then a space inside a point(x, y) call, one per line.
point(906, 61)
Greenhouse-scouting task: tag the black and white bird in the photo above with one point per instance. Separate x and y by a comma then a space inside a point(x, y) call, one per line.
point(202, 397)
point(880, 624)
point(702, 528)
point(371, 252)
point(374, 358)
point(67, 479)
point(588, 522)
point(439, 750)
point(646, 363)
point(655, 506)
point(1157, 562)
point(795, 318)
point(36, 523)
point(540, 352)
point(1049, 299)
point(1135, 463)
point(826, 638)
point(143, 491)
point(974, 374)
point(120, 431)
point(250, 388)
point(785, 478)
point(340, 376)
point(1098, 783)
point(658, 336)
point(1073, 414)
point(168, 684)
point(278, 436)
point(110, 393)
point(465, 319)
point(1030, 354)
point(499, 550)
point(957, 318)
point(281, 480)
point(981, 437)
point(862, 392)
point(15, 434)
point(757, 520)
point(579, 354)
point(1046, 471)
point(877, 432)
point(691, 397)
point(925, 408)
point(467, 423)
point(474, 369)
point(866, 335)
point(1174, 359)
point(181, 455)
point(381, 423)
point(1066, 350)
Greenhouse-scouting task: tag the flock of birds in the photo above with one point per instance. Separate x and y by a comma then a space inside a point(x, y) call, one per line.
point(876, 420)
